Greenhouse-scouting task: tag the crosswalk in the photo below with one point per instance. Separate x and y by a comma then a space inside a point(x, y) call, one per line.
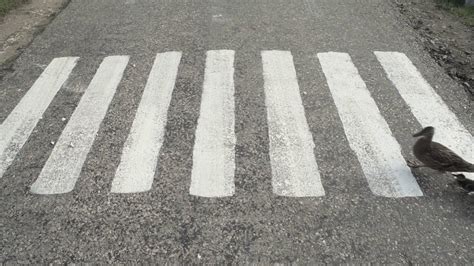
point(61, 171)
point(292, 150)
point(367, 131)
point(214, 148)
point(17, 127)
point(136, 170)
point(294, 169)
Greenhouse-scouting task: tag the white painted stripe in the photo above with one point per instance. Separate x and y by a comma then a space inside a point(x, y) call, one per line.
point(294, 168)
point(140, 155)
point(368, 133)
point(17, 127)
point(214, 148)
point(426, 105)
point(61, 171)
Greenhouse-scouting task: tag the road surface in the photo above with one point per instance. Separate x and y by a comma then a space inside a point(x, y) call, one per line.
point(250, 131)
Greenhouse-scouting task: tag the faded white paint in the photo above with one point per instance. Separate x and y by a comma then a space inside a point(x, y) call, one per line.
point(214, 147)
point(17, 127)
point(61, 171)
point(140, 155)
point(426, 105)
point(294, 168)
point(368, 133)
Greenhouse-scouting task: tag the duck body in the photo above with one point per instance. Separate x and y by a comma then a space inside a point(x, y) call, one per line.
point(437, 156)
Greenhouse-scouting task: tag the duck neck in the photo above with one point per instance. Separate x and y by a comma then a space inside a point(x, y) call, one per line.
point(423, 143)
point(428, 137)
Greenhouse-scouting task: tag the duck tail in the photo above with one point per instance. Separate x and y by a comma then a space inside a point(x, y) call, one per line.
point(471, 168)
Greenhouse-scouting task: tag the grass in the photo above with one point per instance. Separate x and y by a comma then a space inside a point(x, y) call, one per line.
point(7, 5)
point(457, 7)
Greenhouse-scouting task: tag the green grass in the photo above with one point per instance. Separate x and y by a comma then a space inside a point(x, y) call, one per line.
point(456, 7)
point(6, 5)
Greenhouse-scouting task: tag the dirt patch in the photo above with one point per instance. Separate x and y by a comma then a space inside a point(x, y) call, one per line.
point(19, 27)
point(448, 38)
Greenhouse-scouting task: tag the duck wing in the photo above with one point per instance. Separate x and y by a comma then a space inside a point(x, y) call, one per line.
point(446, 159)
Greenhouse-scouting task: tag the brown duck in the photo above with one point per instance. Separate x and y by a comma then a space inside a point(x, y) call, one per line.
point(436, 156)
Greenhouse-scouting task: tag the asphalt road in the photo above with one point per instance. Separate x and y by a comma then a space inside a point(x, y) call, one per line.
point(261, 144)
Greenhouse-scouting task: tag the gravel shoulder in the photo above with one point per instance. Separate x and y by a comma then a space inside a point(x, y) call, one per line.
point(445, 36)
point(20, 26)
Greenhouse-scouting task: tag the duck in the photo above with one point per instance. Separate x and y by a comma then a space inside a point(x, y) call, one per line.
point(464, 183)
point(437, 156)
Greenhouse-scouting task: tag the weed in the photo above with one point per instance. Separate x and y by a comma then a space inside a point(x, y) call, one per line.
point(457, 7)
point(6, 5)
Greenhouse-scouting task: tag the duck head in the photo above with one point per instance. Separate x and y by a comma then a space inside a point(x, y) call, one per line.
point(459, 177)
point(426, 132)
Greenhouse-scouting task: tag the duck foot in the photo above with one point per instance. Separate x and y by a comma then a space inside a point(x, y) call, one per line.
point(414, 164)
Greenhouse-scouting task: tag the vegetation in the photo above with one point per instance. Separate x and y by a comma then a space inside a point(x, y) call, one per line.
point(6, 5)
point(457, 7)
